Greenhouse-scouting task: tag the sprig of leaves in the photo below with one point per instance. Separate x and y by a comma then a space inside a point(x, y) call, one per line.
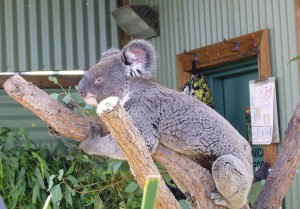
point(62, 177)
point(72, 98)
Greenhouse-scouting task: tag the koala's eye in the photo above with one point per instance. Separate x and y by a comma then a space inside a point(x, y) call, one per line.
point(98, 81)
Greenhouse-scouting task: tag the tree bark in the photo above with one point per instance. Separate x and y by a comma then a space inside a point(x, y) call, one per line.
point(284, 169)
point(191, 177)
point(134, 148)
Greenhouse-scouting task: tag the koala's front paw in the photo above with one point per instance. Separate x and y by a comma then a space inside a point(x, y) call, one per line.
point(219, 199)
point(190, 200)
point(88, 145)
point(108, 105)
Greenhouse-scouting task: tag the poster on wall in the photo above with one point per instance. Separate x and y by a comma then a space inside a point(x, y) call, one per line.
point(263, 108)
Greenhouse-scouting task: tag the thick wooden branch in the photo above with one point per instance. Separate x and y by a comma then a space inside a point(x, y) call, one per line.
point(284, 168)
point(190, 177)
point(134, 148)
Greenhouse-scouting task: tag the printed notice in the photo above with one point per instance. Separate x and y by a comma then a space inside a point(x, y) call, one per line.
point(263, 107)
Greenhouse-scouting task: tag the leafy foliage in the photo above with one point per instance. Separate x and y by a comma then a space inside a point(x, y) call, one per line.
point(71, 179)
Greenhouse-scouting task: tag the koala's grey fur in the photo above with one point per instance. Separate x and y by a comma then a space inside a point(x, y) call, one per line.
point(176, 120)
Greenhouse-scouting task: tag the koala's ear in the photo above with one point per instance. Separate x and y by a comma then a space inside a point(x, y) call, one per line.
point(109, 53)
point(139, 58)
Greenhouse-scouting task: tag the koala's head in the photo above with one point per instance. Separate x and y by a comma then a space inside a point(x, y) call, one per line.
point(115, 70)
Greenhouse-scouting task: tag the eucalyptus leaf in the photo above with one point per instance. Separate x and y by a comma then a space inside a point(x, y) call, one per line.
point(183, 204)
point(98, 203)
point(54, 96)
point(77, 97)
point(67, 99)
point(60, 175)
point(131, 187)
point(53, 79)
point(56, 194)
point(39, 177)
point(255, 190)
point(35, 192)
point(71, 169)
point(68, 197)
point(294, 59)
point(50, 182)
point(73, 180)
point(40, 159)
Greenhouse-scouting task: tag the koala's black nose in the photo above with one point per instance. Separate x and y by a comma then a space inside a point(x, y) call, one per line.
point(82, 86)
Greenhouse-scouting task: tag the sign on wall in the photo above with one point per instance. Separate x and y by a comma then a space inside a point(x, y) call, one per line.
point(263, 108)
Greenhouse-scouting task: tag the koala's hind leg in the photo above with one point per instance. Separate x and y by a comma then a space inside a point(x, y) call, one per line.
point(233, 182)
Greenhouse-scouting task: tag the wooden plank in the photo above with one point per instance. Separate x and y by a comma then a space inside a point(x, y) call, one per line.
point(221, 53)
point(43, 82)
point(264, 71)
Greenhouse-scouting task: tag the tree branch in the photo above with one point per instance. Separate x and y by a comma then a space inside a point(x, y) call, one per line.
point(284, 169)
point(134, 148)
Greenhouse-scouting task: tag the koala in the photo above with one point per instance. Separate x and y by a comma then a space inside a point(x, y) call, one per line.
point(161, 115)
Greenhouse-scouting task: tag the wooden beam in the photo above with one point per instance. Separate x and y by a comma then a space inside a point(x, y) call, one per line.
point(43, 82)
point(254, 44)
point(222, 53)
point(264, 71)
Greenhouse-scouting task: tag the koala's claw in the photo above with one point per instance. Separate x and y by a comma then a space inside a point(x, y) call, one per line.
point(190, 200)
point(219, 199)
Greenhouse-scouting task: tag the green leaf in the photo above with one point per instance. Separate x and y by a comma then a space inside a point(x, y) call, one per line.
point(150, 192)
point(50, 182)
point(53, 79)
point(294, 59)
point(73, 192)
point(56, 194)
point(88, 107)
point(25, 135)
point(77, 97)
point(183, 204)
point(98, 203)
point(255, 190)
point(4, 157)
point(39, 177)
point(54, 96)
point(21, 179)
point(68, 197)
point(131, 187)
point(35, 192)
point(71, 169)
point(115, 165)
point(40, 159)
point(61, 173)
point(72, 179)
point(168, 179)
point(67, 99)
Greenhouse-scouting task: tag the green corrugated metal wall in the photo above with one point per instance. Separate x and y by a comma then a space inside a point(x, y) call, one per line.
point(56, 34)
point(14, 115)
point(50, 35)
point(196, 23)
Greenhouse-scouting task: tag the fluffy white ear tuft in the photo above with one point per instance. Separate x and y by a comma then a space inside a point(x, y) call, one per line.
point(139, 58)
point(110, 52)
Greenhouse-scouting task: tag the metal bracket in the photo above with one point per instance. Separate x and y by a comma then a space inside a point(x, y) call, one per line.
point(236, 43)
point(196, 60)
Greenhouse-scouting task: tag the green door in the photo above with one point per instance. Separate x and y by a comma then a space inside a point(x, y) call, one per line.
point(230, 89)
